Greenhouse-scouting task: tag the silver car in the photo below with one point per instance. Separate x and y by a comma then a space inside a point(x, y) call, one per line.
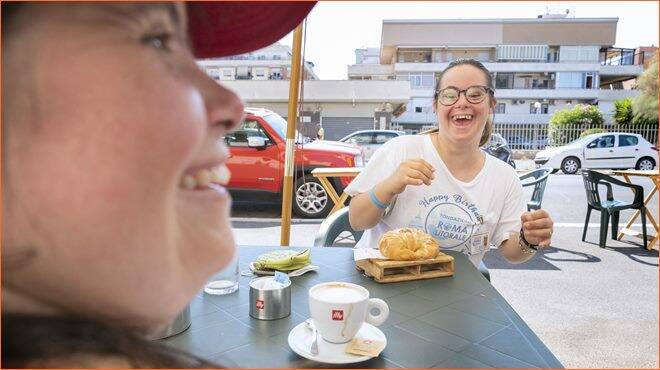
point(370, 140)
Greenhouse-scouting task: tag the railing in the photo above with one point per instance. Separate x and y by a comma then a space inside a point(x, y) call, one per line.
point(536, 136)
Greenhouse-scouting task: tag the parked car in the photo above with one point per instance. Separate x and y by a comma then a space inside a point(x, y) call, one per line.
point(370, 140)
point(499, 148)
point(519, 143)
point(603, 150)
point(256, 162)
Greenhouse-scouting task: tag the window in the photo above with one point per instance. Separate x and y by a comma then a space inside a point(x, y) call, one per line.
point(627, 140)
point(249, 128)
point(361, 139)
point(500, 108)
point(382, 137)
point(418, 109)
point(226, 72)
point(422, 81)
point(504, 81)
point(602, 142)
point(213, 73)
point(259, 72)
point(541, 109)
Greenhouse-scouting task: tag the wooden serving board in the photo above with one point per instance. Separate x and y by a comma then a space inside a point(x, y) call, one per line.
point(388, 271)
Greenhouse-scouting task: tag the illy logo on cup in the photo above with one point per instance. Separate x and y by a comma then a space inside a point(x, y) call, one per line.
point(260, 304)
point(337, 315)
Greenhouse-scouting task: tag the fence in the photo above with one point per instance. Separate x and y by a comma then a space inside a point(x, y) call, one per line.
point(537, 137)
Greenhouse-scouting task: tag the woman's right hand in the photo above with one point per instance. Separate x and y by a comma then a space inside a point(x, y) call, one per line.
point(414, 171)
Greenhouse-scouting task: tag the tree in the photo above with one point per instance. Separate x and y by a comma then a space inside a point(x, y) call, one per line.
point(623, 111)
point(563, 123)
point(645, 106)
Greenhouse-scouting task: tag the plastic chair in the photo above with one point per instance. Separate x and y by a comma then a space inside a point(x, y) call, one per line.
point(540, 178)
point(332, 227)
point(610, 206)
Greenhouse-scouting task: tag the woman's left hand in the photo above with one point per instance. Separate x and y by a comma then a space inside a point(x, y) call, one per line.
point(537, 227)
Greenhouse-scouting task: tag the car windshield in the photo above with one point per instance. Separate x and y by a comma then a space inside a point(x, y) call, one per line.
point(582, 139)
point(279, 125)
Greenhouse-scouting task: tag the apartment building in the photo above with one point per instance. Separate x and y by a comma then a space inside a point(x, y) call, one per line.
point(270, 63)
point(539, 65)
point(261, 79)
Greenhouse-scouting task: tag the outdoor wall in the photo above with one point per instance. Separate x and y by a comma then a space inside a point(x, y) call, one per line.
point(420, 33)
point(563, 31)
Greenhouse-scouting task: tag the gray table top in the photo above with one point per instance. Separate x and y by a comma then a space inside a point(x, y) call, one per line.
point(450, 322)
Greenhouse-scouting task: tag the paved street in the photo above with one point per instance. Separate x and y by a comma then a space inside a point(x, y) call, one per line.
point(592, 307)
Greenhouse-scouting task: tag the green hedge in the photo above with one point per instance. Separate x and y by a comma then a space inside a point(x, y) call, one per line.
point(583, 116)
point(592, 131)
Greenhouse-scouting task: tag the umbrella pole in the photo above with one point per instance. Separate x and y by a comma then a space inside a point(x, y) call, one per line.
point(292, 119)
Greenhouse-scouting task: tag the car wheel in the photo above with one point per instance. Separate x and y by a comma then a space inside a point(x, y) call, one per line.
point(570, 165)
point(645, 163)
point(310, 200)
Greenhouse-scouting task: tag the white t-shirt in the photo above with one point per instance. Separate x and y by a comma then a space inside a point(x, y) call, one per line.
point(464, 216)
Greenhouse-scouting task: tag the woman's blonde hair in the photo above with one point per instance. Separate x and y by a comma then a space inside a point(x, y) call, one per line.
point(488, 128)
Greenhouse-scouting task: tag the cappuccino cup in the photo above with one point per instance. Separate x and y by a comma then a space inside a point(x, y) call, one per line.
point(339, 310)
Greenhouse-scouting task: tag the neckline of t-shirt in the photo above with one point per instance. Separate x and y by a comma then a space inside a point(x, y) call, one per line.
point(430, 146)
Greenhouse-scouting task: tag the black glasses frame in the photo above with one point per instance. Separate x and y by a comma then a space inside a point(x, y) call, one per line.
point(464, 92)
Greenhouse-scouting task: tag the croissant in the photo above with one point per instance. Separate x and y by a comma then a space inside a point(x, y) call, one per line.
point(408, 244)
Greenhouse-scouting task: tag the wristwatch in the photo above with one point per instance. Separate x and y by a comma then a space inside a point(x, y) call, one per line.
point(525, 246)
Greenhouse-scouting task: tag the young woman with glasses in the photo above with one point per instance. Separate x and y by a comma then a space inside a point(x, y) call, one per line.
point(444, 184)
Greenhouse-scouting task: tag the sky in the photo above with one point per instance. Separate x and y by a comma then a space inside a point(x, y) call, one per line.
point(336, 28)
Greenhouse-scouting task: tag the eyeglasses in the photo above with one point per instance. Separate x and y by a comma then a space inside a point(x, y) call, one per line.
point(473, 94)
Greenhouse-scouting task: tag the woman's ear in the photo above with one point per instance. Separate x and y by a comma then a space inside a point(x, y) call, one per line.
point(493, 102)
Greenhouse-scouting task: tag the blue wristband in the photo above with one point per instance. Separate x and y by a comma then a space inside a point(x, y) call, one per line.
point(375, 200)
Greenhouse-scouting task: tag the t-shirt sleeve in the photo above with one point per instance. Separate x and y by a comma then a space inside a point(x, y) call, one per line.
point(514, 207)
point(382, 164)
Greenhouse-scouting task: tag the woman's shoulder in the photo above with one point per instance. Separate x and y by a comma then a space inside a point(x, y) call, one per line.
point(69, 342)
point(498, 169)
point(406, 141)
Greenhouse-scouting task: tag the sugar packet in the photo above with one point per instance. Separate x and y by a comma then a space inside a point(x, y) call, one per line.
point(365, 347)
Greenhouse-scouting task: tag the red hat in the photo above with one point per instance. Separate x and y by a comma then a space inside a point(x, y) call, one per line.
point(223, 28)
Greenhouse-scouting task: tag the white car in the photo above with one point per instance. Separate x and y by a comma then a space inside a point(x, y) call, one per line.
point(370, 140)
point(604, 150)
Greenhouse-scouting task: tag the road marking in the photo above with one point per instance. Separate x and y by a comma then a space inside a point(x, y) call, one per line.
point(267, 220)
point(581, 224)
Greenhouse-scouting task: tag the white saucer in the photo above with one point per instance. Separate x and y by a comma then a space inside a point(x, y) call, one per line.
point(300, 339)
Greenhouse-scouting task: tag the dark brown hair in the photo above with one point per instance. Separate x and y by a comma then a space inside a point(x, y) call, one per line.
point(488, 128)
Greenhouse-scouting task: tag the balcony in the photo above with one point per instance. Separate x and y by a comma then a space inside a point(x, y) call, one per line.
point(604, 94)
point(522, 118)
point(504, 67)
point(546, 94)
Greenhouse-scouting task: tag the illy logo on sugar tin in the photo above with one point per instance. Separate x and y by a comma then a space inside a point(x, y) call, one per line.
point(260, 304)
point(337, 315)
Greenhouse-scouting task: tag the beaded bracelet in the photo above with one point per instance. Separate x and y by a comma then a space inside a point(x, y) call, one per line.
point(525, 246)
point(375, 200)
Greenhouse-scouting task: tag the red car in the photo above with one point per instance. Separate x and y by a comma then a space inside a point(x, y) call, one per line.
point(257, 163)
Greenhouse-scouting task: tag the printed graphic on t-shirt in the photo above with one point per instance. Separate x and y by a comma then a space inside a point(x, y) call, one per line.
point(450, 218)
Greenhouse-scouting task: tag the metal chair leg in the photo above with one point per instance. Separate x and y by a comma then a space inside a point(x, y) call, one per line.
point(586, 223)
point(604, 218)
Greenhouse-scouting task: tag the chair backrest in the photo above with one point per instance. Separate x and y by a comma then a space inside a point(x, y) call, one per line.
point(540, 179)
point(332, 227)
point(593, 178)
point(590, 179)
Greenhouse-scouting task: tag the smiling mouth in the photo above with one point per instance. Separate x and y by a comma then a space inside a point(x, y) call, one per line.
point(462, 119)
point(205, 178)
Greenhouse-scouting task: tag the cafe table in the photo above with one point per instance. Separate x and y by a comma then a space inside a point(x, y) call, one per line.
point(653, 176)
point(449, 322)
